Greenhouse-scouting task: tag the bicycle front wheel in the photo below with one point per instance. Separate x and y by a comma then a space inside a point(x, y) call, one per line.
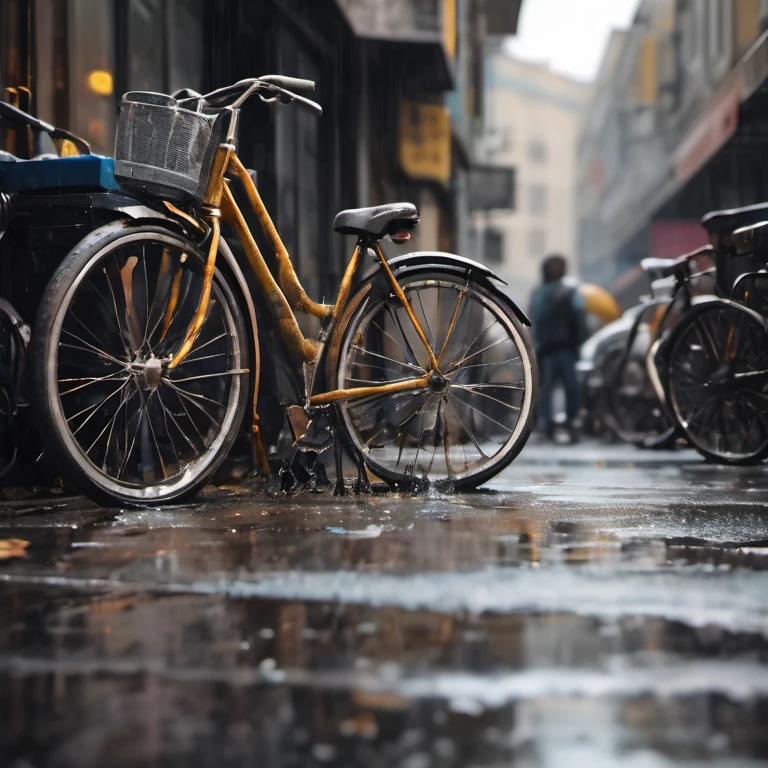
point(475, 414)
point(120, 425)
point(717, 381)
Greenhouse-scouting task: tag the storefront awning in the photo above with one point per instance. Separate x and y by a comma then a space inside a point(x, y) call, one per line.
point(428, 27)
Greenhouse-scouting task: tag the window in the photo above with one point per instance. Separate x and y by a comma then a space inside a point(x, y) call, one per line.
point(492, 188)
point(538, 199)
point(537, 243)
point(146, 46)
point(91, 72)
point(692, 32)
point(537, 151)
point(494, 246)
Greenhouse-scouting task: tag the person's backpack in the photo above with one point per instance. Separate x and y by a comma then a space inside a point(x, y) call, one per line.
point(571, 320)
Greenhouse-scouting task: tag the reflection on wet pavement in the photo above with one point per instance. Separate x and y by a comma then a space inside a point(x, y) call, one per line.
point(612, 610)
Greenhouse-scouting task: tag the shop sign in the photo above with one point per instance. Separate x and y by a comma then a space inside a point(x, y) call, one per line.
point(425, 141)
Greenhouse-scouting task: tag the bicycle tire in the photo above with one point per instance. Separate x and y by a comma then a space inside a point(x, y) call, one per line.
point(647, 412)
point(374, 302)
point(184, 420)
point(712, 344)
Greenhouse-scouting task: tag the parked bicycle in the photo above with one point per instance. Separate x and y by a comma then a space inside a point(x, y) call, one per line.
point(146, 353)
point(714, 366)
point(621, 356)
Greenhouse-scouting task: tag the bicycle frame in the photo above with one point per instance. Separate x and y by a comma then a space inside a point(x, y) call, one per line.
point(284, 292)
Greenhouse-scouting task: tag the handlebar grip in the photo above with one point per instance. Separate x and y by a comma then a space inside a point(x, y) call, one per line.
point(289, 82)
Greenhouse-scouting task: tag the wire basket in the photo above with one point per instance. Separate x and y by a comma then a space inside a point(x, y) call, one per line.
point(163, 150)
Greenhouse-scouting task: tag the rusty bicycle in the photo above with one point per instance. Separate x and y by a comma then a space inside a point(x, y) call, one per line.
point(150, 340)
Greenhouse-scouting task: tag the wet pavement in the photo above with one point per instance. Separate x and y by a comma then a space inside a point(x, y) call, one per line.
point(593, 606)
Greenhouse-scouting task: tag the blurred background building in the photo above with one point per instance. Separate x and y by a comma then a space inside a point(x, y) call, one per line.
point(524, 204)
point(401, 83)
point(678, 126)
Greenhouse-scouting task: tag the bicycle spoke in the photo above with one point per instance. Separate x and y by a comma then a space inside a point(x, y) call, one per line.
point(129, 451)
point(447, 446)
point(167, 412)
point(516, 387)
point(483, 394)
point(111, 422)
point(123, 403)
point(451, 325)
point(426, 319)
point(154, 440)
point(402, 424)
point(233, 372)
point(89, 381)
point(493, 362)
point(396, 320)
point(707, 339)
point(469, 432)
point(123, 334)
point(384, 357)
point(438, 420)
point(415, 464)
point(377, 326)
point(474, 341)
point(191, 398)
point(474, 354)
point(189, 416)
point(484, 414)
point(89, 348)
point(132, 321)
point(162, 289)
point(95, 406)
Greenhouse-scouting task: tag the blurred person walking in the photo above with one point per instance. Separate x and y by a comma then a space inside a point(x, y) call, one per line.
point(559, 328)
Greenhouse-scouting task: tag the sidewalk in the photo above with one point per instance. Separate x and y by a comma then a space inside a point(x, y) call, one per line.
point(540, 451)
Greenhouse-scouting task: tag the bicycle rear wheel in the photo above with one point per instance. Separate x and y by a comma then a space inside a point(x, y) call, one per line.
point(473, 417)
point(717, 382)
point(120, 425)
point(634, 413)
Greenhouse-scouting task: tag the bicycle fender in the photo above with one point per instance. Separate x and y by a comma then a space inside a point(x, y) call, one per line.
point(455, 263)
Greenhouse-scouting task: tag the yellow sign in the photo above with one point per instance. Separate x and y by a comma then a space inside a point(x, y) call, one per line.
point(449, 27)
point(425, 141)
point(648, 71)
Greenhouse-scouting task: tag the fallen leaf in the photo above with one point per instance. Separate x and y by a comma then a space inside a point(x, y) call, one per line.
point(13, 548)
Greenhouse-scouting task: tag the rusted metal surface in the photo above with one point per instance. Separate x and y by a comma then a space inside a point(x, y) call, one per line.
point(287, 277)
point(357, 392)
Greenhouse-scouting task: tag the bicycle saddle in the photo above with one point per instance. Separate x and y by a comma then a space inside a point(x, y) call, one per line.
point(377, 221)
point(725, 222)
point(753, 239)
point(679, 266)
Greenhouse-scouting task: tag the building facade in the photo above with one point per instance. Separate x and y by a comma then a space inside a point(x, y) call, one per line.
point(678, 126)
point(525, 197)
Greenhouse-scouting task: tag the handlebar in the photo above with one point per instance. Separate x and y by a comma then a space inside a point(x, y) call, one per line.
point(19, 117)
point(269, 88)
point(289, 82)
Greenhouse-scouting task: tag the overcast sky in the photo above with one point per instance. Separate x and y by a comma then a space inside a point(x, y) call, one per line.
point(570, 35)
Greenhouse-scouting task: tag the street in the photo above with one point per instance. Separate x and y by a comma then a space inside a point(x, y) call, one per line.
point(595, 605)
